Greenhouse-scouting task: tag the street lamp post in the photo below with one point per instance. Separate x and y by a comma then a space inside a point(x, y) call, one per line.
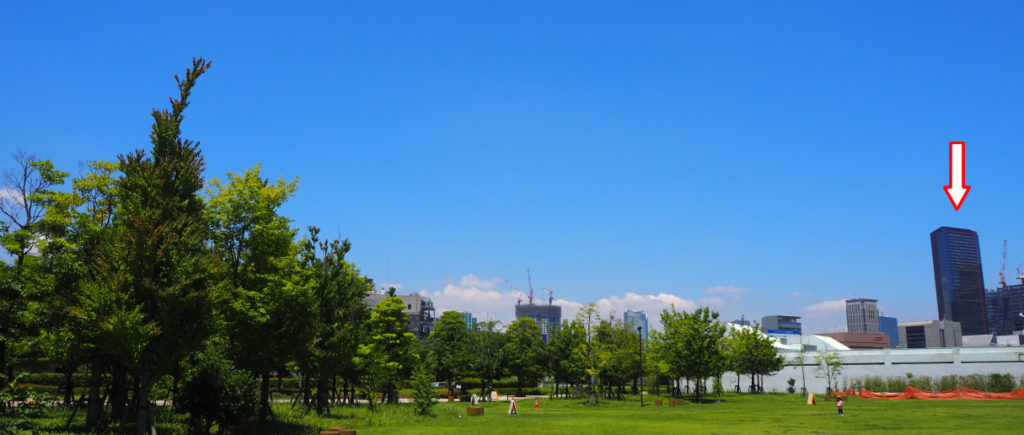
point(640, 335)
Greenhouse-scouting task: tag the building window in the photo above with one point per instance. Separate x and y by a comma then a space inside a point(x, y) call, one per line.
point(916, 338)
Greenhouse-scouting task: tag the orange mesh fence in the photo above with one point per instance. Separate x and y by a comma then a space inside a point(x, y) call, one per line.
point(961, 393)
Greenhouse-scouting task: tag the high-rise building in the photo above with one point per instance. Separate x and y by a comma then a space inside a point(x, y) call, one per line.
point(469, 319)
point(959, 286)
point(636, 318)
point(548, 317)
point(1004, 307)
point(862, 316)
point(890, 326)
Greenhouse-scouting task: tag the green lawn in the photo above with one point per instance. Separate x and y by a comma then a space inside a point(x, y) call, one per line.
point(733, 414)
point(770, 413)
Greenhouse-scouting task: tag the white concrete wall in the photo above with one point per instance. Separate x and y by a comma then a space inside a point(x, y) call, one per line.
point(934, 363)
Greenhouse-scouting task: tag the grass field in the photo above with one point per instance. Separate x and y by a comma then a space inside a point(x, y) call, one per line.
point(769, 413)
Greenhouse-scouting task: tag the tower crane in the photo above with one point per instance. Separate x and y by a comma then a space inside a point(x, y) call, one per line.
point(1002, 273)
point(529, 282)
point(551, 295)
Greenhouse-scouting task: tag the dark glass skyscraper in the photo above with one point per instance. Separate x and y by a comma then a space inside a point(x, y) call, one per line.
point(959, 286)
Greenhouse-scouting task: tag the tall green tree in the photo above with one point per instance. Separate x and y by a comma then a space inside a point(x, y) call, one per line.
point(618, 350)
point(340, 317)
point(154, 306)
point(450, 349)
point(23, 195)
point(267, 313)
point(524, 349)
point(389, 355)
point(489, 361)
point(567, 351)
point(693, 345)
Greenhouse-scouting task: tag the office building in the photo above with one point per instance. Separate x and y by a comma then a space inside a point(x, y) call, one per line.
point(420, 310)
point(862, 316)
point(469, 319)
point(548, 317)
point(784, 329)
point(890, 326)
point(780, 322)
point(932, 333)
point(959, 286)
point(636, 318)
point(1003, 307)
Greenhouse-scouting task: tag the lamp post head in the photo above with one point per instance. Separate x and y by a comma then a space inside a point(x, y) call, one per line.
point(639, 328)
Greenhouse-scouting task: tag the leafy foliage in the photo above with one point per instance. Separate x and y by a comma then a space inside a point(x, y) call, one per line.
point(215, 393)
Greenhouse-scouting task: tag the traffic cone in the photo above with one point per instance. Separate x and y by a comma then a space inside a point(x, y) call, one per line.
point(536, 403)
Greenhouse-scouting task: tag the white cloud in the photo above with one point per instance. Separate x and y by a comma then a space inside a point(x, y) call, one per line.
point(398, 287)
point(724, 289)
point(10, 194)
point(476, 295)
point(824, 316)
point(716, 303)
point(483, 298)
point(826, 306)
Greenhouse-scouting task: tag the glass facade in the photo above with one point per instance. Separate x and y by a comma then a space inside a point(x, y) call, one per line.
point(548, 317)
point(634, 319)
point(959, 285)
point(1004, 307)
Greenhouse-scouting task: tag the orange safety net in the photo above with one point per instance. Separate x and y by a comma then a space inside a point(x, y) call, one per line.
point(843, 394)
point(961, 393)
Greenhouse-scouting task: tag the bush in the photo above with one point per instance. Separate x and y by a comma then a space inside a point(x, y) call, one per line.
point(1000, 383)
point(424, 396)
point(948, 382)
point(214, 392)
point(18, 418)
point(996, 383)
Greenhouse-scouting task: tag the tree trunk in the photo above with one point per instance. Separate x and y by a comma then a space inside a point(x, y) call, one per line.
point(69, 387)
point(3, 361)
point(118, 392)
point(92, 416)
point(264, 397)
point(144, 424)
point(322, 387)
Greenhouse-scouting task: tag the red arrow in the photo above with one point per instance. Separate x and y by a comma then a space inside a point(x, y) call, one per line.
point(956, 190)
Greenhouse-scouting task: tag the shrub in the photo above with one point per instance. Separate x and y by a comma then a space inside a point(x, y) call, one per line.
point(18, 418)
point(1000, 383)
point(424, 396)
point(214, 392)
point(790, 389)
point(975, 381)
point(948, 382)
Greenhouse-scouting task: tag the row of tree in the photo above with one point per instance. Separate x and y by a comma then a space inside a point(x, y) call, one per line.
point(140, 271)
point(593, 356)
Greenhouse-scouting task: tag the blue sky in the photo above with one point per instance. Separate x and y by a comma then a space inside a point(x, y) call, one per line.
point(759, 157)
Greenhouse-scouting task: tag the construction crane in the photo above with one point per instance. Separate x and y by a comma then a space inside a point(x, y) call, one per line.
point(551, 296)
point(519, 295)
point(529, 282)
point(1002, 273)
point(1020, 274)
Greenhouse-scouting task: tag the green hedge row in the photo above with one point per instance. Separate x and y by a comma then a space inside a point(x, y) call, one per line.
point(995, 383)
